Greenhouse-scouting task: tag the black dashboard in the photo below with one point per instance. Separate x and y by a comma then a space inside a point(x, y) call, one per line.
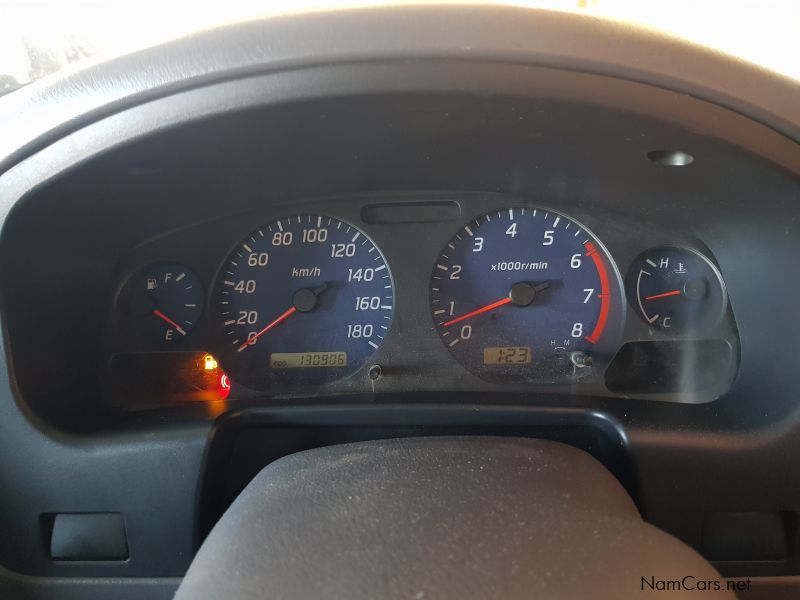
point(215, 277)
point(212, 253)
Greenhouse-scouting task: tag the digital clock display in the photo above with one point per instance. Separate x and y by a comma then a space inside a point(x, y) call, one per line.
point(304, 360)
point(510, 355)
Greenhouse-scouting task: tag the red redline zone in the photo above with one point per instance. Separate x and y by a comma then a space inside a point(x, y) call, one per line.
point(604, 295)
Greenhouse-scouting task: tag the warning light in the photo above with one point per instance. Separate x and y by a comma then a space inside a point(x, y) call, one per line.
point(224, 388)
point(209, 362)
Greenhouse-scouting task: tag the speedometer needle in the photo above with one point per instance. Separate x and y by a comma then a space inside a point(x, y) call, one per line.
point(484, 309)
point(664, 295)
point(165, 318)
point(281, 318)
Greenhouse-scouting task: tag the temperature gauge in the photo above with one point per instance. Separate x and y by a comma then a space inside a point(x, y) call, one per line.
point(676, 289)
point(165, 302)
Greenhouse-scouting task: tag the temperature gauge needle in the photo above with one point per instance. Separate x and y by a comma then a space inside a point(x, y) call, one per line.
point(664, 295)
point(281, 318)
point(488, 307)
point(165, 318)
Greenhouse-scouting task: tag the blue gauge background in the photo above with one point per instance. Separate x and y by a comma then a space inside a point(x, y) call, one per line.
point(305, 299)
point(545, 287)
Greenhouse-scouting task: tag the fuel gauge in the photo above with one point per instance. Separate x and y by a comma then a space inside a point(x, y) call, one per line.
point(165, 301)
point(676, 289)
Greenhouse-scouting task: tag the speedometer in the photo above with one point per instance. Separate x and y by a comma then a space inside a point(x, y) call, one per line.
point(526, 294)
point(303, 300)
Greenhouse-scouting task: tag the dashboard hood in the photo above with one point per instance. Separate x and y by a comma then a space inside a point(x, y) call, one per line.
point(37, 115)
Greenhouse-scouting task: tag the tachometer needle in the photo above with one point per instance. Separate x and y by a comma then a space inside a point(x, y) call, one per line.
point(281, 318)
point(484, 309)
point(164, 317)
point(664, 295)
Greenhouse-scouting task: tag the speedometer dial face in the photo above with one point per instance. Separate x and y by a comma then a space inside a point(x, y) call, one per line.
point(304, 300)
point(525, 294)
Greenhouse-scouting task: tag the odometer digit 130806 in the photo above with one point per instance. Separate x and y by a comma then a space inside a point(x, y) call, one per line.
point(303, 300)
point(526, 294)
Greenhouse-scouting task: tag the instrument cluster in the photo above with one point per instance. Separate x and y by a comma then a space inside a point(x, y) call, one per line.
point(519, 295)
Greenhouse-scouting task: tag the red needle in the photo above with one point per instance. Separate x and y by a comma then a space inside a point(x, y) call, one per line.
point(253, 339)
point(664, 295)
point(164, 317)
point(491, 306)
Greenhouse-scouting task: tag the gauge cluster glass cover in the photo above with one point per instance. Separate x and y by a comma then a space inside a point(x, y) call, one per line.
point(519, 296)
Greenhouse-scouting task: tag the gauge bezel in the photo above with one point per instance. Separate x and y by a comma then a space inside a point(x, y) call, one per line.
point(634, 300)
point(124, 321)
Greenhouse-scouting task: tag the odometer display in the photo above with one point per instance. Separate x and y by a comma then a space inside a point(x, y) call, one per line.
point(304, 360)
point(303, 300)
point(524, 294)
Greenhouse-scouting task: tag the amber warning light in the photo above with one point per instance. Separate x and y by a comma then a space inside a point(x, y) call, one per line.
point(221, 379)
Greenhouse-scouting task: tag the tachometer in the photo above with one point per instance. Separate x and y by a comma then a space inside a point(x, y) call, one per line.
point(305, 299)
point(525, 294)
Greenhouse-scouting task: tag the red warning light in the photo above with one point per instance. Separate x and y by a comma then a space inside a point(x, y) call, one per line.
point(224, 385)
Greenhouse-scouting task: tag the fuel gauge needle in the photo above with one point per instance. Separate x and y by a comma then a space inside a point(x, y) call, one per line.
point(165, 318)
